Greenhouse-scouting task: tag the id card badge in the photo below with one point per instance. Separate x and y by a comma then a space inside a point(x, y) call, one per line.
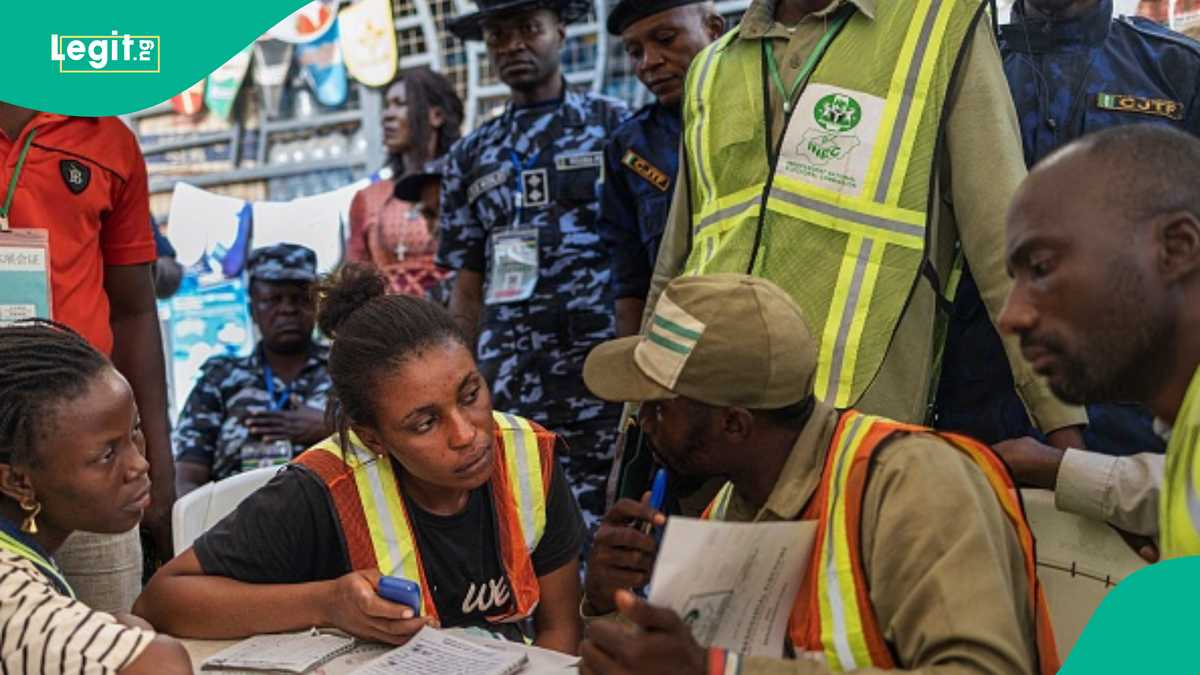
point(514, 270)
point(257, 455)
point(25, 291)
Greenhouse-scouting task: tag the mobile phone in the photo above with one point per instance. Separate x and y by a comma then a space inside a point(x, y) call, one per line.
point(401, 591)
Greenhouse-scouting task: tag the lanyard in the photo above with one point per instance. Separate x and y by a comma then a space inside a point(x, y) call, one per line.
point(18, 544)
point(519, 195)
point(276, 402)
point(817, 52)
point(12, 183)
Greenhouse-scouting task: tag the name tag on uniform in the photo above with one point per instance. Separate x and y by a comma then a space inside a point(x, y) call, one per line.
point(582, 160)
point(830, 138)
point(25, 291)
point(652, 174)
point(488, 182)
point(1157, 107)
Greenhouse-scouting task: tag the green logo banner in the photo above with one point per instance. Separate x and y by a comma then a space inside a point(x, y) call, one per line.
point(108, 58)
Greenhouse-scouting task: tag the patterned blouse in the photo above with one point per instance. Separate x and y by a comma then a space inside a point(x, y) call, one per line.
point(392, 234)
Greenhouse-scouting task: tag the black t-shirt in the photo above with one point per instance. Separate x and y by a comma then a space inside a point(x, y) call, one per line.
point(287, 532)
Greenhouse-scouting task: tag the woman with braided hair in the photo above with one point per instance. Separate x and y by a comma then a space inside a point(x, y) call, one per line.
point(72, 457)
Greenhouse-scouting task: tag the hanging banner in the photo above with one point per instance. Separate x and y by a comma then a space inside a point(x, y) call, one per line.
point(225, 82)
point(324, 71)
point(272, 61)
point(190, 101)
point(306, 24)
point(368, 41)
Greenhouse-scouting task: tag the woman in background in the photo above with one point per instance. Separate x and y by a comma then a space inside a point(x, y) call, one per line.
point(72, 457)
point(422, 118)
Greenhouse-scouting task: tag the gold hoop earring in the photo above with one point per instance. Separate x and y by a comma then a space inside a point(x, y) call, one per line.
point(29, 525)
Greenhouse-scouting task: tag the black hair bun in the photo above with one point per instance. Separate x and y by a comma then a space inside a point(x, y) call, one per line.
point(346, 290)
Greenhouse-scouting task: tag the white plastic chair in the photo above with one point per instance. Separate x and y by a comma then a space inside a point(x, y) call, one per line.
point(1078, 561)
point(203, 507)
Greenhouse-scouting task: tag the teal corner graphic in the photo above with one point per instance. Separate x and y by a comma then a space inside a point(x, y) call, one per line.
point(91, 58)
point(1146, 624)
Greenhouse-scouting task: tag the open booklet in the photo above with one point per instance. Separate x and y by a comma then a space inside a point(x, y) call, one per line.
point(282, 653)
point(432, 652)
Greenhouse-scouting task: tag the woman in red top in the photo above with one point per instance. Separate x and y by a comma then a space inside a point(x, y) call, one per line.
point(422, 117)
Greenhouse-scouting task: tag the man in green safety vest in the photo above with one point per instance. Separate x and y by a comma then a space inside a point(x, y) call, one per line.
point(853, 152)
point(1104, 249)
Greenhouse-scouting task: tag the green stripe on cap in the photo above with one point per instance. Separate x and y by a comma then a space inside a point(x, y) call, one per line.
point(676, 328)
point(669, 341)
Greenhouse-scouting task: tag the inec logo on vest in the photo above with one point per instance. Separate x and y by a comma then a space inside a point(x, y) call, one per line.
point(113, 53)
point(835, 114)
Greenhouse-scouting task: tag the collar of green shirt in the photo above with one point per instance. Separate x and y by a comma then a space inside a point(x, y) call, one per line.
point(759, 19)
point(800, 475)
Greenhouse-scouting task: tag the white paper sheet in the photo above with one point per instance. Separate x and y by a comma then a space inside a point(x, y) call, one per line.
point(292, 652)
point(734, 583)
point(541, 661)
point(199, 220)
point(316, 222)
point(432, 652)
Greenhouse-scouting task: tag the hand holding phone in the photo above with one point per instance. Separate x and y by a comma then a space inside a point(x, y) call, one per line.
point(401, 591)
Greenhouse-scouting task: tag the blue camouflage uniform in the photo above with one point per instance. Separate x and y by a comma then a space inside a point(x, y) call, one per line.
point(541, 167)
point(639, 165)
point(1068, 78)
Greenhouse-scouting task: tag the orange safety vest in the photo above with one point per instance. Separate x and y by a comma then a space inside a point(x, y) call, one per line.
point(833, 612)
point(378, 532)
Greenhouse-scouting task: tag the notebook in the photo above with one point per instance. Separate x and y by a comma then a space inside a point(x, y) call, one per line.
point(432, 652)
point(282, 653)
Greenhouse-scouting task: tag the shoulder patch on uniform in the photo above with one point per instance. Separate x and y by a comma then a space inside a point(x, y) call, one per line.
point(487, 182)
point(637, 164)
point(1156, 107)
point(579, 160)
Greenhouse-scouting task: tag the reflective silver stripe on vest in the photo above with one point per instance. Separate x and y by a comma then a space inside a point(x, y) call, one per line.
point(521, 480)
point(837, 604)
point(383, 513)
point(877, 222)
point(700, 125)
point(906, 101)
point(843, 333)
point(729, 212)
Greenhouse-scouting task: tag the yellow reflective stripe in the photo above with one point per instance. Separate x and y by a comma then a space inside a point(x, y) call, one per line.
point(1179, 502)
point(844, 324)
point(724, 211)
point(703, 135)
point(904, 137)
point(841, 624)
point(888, 224)
point(876, 185)
point(387, 523)
point(524, 465)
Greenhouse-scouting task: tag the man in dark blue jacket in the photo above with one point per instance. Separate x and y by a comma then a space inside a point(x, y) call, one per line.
point(1073, 69)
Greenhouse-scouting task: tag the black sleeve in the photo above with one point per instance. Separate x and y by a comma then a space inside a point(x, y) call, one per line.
point(285, 532)
point(563, 539)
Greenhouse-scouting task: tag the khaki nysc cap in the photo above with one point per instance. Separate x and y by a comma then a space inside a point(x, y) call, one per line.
point(721, 339)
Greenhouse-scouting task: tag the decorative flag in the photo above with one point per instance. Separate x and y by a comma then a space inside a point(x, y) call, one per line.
point(368, 40)
point(323, 68)
point(190, 101)
point(306, 24)
point(272, 60)
point(224, 83)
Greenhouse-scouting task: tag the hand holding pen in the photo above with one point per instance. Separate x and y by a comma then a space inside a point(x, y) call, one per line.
point(623, 553)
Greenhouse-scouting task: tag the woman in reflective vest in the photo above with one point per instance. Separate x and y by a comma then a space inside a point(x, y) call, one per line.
point(850, 638)
point(72, 457)
point(417, 447)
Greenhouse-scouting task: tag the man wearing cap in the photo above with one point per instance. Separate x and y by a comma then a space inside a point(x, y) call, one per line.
point(930, 553)
point(260, 410)
point(518, 225)
point(661, 37)
point(852, 151)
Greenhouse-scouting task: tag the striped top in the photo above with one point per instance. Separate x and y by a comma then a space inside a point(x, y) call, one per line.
point(44, 631)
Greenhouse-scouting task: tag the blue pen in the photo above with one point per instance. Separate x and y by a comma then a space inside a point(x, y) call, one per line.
point(658, 495)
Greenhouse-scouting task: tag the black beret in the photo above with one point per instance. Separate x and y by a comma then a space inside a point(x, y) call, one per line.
point(628, 12)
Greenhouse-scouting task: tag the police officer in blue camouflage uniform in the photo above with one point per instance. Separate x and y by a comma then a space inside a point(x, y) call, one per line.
point(661, 38)
point(1073, 69)
point(262, 409)
point(518, 225)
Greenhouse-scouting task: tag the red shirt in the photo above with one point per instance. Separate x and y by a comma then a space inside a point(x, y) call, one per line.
point(106, 223)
